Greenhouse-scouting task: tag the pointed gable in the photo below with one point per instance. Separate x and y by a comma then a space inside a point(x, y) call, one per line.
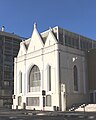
point(51, 39)
point(36, 42)
point(22, 50)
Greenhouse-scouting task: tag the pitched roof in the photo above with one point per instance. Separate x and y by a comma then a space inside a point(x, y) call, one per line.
point(43, 36)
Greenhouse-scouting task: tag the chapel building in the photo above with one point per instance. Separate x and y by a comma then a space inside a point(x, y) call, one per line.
point(51, 70)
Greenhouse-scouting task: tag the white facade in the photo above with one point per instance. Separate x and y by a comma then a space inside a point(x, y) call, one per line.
point(45, 64)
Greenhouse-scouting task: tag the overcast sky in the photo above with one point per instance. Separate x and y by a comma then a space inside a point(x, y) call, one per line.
point(18, 16)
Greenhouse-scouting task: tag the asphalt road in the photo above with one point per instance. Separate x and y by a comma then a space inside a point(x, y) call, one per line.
point(46, 118)
point(6, 114)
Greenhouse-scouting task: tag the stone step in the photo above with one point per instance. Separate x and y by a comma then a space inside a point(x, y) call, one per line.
point(88, 108)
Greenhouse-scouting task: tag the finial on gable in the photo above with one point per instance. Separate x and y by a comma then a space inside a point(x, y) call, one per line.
point(50, 28)
point(35, 25)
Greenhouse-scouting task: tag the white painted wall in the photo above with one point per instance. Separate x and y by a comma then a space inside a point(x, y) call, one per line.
point(70, 57)
point(42, 56)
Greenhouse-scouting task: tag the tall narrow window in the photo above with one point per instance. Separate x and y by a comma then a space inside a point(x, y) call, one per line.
point(34, 79)
point(49, 78)
point(20, 81)
point(75, 78)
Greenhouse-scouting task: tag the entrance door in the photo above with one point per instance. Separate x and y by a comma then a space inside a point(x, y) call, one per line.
point(93, 97)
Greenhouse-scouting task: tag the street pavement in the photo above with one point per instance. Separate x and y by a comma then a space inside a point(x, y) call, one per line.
point(8, 114)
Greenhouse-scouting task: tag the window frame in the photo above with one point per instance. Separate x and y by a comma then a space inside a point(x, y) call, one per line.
point(34, 79)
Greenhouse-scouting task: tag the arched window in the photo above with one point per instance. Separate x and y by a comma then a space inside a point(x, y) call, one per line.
point(34, 79)
point(20, 82)
point(19, 100)
point(75, 78)
point(48, 100)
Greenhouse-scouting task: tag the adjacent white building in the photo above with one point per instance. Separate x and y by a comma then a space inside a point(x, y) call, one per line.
point(54, 63)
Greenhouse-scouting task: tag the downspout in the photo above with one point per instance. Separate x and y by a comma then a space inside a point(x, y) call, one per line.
point(59, 70)
point(59, 63)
